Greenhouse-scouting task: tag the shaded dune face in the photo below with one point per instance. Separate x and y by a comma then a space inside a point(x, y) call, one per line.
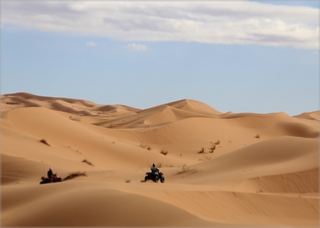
point(220, 169)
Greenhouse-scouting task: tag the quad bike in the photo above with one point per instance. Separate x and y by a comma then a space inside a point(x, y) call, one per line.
point(54, 178)
point(154, 176)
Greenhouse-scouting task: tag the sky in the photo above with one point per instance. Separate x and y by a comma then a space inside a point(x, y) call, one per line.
point(238, 56)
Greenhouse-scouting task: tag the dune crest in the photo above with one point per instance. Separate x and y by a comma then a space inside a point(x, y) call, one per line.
point(220, 169)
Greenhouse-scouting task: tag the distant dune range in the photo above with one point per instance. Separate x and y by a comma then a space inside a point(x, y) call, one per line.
point(221, 169)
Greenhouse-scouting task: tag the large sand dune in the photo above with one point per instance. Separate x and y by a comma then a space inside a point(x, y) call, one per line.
point(221, 169)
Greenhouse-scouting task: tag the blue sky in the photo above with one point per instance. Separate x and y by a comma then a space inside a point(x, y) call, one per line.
point(239, 56)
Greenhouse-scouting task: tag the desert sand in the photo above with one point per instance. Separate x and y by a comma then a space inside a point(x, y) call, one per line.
point(220, 169)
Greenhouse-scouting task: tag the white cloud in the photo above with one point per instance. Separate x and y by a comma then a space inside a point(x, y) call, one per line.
point(137, 47)
point(91, 44)
point(209, 22)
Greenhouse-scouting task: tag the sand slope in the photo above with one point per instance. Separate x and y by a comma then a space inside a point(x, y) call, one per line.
point(221, 169)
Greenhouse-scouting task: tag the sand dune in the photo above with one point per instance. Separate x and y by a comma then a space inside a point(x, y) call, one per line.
point(221, 169)
point(310, 115)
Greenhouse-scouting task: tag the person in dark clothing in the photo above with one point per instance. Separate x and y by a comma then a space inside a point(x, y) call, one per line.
point(50, 173)
point(154, 169)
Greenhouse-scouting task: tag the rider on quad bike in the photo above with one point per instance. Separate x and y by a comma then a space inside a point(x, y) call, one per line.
point(51, 177)
point(154, 175)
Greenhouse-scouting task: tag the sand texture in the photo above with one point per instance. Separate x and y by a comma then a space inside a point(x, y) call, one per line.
point(220, 169)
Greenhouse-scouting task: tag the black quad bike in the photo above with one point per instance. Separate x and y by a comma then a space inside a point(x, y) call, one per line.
point(154, 176)
point(53, 179)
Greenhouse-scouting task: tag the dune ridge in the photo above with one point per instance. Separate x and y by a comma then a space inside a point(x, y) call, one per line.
point(221, 169)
